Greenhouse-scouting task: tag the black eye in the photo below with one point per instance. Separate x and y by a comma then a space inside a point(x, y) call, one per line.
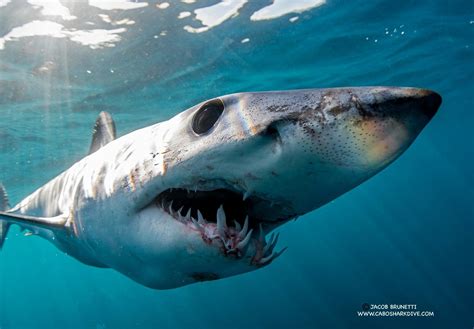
point(206, 117)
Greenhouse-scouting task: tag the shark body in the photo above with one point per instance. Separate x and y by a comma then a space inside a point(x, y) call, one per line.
point(196, 197)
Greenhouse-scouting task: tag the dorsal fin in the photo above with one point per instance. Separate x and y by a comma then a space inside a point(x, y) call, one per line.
point(104, 131)
point(3, 206)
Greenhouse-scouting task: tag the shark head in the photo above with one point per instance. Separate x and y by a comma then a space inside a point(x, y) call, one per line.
point(238, 166)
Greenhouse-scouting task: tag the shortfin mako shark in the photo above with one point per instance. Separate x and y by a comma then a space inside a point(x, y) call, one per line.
point(197, 197)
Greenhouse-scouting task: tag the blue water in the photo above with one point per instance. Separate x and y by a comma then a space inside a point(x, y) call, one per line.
point(403, 237)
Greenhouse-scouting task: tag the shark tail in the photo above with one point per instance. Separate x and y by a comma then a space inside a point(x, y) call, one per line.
point(4, 226)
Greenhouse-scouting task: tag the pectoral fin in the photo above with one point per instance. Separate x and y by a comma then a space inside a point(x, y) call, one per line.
point(4, 226)
point(25, 220)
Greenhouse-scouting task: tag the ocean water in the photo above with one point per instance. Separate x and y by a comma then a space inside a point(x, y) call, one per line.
point(403, 237)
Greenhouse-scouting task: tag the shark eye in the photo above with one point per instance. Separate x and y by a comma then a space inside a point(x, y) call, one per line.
point(207, 116)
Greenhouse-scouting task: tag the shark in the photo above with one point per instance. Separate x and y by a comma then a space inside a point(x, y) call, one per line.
point(200, 196)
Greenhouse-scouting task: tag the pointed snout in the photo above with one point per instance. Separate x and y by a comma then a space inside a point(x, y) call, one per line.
point(398, 101)
point(430, 101)
point(386, 121)
point(363, 126)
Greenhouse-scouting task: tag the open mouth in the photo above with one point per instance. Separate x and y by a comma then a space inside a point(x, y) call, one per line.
point(235, 220)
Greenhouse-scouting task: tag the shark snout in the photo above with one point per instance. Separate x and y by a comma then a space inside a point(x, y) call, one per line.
point(429, 102)
point(316, 109)
point(381, 122)
point(345, 127)
point(342, 136)
point(401, 102)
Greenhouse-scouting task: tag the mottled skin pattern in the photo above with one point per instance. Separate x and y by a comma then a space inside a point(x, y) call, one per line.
point(293, 150)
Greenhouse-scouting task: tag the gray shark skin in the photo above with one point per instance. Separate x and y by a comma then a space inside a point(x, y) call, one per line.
point(196, 197)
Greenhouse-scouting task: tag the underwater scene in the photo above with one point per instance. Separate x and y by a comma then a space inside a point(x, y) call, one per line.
point(370, 189)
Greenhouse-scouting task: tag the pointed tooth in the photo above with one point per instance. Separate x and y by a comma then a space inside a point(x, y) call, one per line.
point(221, 221)
point(237, 226)
point(179, 213)
point(201, 219)
point(271, 244)
point(271, 238)
point(196, 224)
point(267, 244)
point(266, 260)
point(272, 257)
point(242, 244)
point(245, 228)
point(245, 195)
point(170, 207)
point(188, 214)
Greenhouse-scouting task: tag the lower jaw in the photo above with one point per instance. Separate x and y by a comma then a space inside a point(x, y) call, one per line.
point(234, 241)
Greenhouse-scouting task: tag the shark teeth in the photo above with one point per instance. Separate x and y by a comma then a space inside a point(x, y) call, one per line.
point(243, 232)
point(268, 249)
point(236, 240)
point(201, 219)
point(242, 244)
point(188, 215)
point(267, 260)
point(221, 221)
point(237, 225)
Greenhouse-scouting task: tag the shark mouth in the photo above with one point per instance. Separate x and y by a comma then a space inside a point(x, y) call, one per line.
point(228, 218)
